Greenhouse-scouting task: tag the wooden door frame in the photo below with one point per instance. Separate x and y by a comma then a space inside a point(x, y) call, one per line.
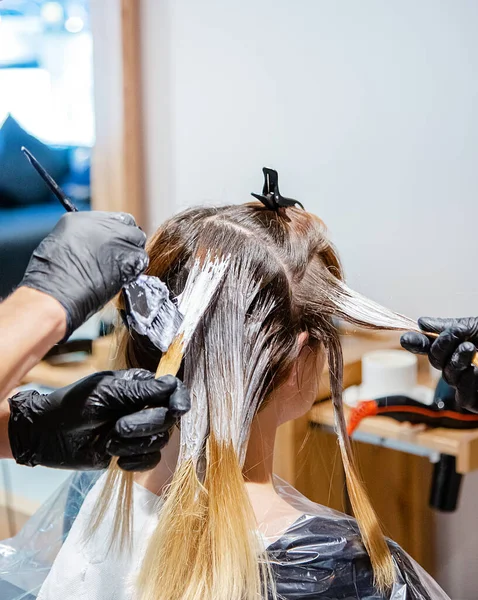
point(117, 163)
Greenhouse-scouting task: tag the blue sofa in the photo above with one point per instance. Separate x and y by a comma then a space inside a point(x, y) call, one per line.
point(28, 210)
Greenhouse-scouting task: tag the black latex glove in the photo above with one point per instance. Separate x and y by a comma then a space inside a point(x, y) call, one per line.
point(452, 352)
point(86, 260)
point(82, 425)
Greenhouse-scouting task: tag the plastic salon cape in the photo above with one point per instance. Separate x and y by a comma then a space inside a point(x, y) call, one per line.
point(319, 556)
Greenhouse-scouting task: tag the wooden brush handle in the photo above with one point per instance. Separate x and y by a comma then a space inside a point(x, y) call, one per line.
point(171, 360)
point(435, 335)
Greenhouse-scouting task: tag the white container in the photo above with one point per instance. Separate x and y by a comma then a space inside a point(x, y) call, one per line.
point(387, 373)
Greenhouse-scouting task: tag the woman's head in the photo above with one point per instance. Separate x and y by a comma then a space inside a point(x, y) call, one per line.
point(282, 269)
point(271, 320)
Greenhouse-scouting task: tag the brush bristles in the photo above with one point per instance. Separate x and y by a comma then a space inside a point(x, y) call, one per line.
point(165, 325)
point(151, 312)
point(201, 285)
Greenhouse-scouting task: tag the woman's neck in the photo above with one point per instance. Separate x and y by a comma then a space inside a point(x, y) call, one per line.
point(257, 466)
point(273, 514)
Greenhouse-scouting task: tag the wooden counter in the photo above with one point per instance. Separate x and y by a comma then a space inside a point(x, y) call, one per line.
point(461, 444)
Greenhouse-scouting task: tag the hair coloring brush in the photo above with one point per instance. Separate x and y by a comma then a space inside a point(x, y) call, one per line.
point(150, 310)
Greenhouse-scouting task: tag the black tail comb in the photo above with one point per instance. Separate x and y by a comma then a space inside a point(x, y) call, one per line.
point(51, 183)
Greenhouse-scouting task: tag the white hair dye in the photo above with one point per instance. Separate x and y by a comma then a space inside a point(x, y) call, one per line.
point(237, 341)
point(225, 402)
point(357, 308)
point(201, 285)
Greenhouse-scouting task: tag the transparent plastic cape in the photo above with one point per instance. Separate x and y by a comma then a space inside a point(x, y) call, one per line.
point(314, 553)
point(26, 559)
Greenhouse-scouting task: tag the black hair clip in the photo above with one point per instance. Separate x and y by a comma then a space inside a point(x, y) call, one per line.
point(271, 197)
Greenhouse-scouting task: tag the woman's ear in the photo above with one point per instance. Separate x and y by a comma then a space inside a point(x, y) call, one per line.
point(302, 340)
point(299, 391)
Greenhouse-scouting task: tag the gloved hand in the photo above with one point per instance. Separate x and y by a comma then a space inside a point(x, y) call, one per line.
point(86, 260)
point(121, 413)
point(452, 352)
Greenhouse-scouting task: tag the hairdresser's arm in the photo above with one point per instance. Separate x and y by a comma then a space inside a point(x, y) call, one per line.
point(75, 271)
point(452, 352)
point(31, 322)
point(5, 450)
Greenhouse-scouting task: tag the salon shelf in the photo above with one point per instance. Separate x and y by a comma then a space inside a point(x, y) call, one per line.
point(383, 431)
point(386, 432)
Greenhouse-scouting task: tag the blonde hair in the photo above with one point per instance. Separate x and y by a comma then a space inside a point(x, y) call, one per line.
point(284, 278)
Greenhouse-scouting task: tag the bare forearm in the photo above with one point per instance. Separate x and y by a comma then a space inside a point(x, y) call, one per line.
point(5, 451)
point(30, 324)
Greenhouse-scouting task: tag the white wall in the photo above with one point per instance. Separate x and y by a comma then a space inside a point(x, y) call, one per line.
point(369, 110)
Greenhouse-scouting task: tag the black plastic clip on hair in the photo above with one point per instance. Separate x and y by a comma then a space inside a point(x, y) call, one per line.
point(271, 197)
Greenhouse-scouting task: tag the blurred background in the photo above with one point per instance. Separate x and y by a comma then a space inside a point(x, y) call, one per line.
point(368, 110)
point(46, 104)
